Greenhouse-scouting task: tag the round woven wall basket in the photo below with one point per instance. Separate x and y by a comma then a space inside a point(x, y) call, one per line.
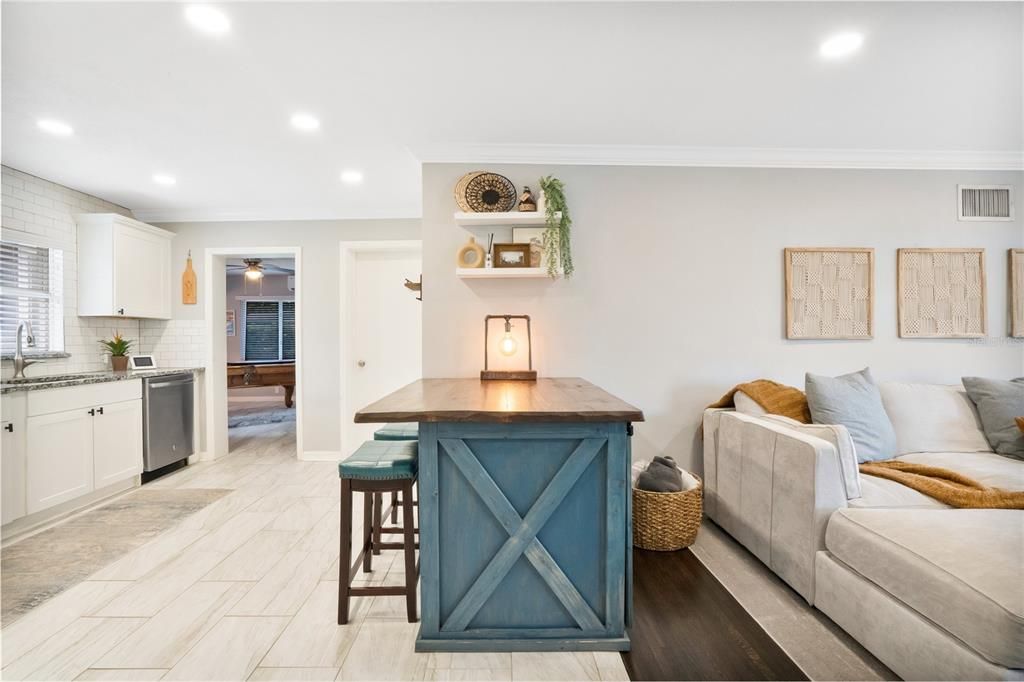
point(667, 521)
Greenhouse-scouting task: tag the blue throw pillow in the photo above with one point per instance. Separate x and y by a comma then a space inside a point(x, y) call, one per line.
point(853, 400)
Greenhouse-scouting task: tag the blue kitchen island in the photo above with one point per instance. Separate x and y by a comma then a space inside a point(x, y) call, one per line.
point(524, 516)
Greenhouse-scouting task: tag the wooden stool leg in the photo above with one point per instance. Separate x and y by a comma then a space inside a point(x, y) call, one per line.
point(345, 554)
point(409, 537)
point(394, 509)
point(378, 511)
point(368, 530)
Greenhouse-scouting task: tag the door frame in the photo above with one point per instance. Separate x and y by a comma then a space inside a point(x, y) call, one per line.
point(346, 271)
point(215, 306)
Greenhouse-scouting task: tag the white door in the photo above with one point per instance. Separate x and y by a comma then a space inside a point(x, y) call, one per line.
point(117, 442)
point(386, 341)
point(59, 462)
point(141, 274)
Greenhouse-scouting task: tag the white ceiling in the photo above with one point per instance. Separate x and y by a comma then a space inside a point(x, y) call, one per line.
point(393, 83)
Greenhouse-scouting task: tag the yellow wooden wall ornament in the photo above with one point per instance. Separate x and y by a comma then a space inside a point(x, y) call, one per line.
point(188, 282)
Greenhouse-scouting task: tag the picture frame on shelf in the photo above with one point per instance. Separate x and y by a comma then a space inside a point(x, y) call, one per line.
point(534, 236)
point(511, 255)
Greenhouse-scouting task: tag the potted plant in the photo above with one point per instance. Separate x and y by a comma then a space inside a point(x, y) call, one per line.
point(118, 348)
point(557, 238)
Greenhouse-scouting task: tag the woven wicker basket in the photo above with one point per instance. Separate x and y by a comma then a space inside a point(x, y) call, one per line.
point(667, 521)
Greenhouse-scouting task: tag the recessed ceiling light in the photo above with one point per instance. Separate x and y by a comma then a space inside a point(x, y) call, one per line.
point(165, 180)
point(208, 19)
point(55, 127)
point(841, 45)
point(352, 177)
point(305, 122)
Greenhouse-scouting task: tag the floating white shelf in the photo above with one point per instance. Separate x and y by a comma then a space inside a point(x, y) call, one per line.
point(502, 273)
point(506, 219)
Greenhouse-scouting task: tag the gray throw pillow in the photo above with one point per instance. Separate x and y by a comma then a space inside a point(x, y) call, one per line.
point(853, 401)
point(998, 402)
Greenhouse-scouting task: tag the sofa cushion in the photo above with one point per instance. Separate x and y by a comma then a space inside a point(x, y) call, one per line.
point(932, 418)
point(962, 569)
point(840, 439)
point(999, 403)
point(746, 405)
point(853, 400)
point(986, 468)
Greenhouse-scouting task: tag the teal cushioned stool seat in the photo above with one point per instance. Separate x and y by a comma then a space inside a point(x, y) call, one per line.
point(378, 460)
point(401, 431)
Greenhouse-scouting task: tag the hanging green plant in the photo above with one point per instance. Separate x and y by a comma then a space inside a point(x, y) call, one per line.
point(557, 238)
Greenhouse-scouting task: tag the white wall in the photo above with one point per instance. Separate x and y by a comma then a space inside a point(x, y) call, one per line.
point(319, 241)
point(679, 289)
point(37, 211)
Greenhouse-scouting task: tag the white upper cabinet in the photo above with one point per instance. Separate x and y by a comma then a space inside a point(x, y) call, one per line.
point(124, 267)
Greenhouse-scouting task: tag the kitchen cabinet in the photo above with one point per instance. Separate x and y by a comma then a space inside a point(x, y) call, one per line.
point(59, 458)
point(12, 455)
point(117, 442)
point(77, 439)
point(124, 267)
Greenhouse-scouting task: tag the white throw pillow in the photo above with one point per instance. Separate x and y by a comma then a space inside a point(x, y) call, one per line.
point(933, 418)
point(746, 405)
point(839, 437)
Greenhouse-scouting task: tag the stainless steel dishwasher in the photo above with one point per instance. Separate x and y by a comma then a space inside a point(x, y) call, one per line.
point(167, 419)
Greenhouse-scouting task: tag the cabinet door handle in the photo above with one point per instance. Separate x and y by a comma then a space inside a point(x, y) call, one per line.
point(9, 428)
point(99, 410)
point(92, 413)
point(120, 311)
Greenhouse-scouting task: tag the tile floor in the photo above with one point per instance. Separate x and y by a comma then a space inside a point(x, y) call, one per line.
point(246, 589)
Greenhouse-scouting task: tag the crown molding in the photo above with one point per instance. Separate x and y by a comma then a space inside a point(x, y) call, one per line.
point(729, 157)
point(160, 215)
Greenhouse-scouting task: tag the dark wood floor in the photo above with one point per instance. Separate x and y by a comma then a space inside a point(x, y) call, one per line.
point(686, 626)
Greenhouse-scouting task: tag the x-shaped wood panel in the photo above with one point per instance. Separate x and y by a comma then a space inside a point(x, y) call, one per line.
point(522, 534)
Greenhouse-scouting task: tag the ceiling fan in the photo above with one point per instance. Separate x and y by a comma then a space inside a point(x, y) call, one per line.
point(255, 268)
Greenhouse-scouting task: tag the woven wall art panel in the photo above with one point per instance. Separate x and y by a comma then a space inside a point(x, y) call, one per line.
point(1017, 293)
point(829, 293)
point(941, 293)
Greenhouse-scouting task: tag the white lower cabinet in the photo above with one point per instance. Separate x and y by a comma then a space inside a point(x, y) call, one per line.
point(64, 443)
point(117, 443)
point(60, 458)
point(12, 456)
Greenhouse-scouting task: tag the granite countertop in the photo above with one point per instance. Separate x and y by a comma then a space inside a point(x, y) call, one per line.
point(43, 382)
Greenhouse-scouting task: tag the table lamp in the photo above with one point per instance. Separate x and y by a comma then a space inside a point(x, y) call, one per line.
point(508, 347)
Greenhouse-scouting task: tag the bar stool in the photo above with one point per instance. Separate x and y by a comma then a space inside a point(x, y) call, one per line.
point(377, 467)
point(398, 431)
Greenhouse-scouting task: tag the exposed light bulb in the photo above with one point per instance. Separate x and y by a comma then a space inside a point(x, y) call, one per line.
point(508, 346)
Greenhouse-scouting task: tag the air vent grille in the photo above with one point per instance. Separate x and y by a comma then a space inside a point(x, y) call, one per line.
point(985, 202)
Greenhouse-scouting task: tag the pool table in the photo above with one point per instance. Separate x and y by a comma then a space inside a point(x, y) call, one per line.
point(264, 373)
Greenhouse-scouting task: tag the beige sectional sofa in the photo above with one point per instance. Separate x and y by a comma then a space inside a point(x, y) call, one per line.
point(933, 592)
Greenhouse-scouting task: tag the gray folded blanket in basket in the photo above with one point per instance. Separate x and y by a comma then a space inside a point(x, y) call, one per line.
point(662, 476)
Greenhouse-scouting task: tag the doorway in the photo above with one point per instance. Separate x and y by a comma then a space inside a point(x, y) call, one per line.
point(265, 351)
point(381, 348)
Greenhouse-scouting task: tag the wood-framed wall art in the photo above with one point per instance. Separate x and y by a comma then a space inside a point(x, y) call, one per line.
point(1016, 293)
point(830, 292)
point(941, 293)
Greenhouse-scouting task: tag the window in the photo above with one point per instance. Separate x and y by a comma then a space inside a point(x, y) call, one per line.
point(31, 290)
point(268, 329)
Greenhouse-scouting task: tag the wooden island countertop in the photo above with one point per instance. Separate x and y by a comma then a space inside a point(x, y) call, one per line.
point(502, 402)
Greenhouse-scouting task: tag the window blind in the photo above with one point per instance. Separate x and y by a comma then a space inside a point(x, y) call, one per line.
point(269, 328)
point(31, 286)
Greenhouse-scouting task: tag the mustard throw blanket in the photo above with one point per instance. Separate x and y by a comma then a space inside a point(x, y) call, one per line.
point(774, 398)
point(944, 485)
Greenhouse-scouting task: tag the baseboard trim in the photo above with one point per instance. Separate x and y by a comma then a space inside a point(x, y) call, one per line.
point(320, 456)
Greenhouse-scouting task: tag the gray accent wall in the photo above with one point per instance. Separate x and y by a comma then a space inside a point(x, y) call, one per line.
point(679, 290)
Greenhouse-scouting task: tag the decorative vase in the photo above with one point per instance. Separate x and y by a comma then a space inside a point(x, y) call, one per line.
point(471, 255)
point(119, 363)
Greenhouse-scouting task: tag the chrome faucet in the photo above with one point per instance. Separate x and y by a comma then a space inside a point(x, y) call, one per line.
point(20, 363)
